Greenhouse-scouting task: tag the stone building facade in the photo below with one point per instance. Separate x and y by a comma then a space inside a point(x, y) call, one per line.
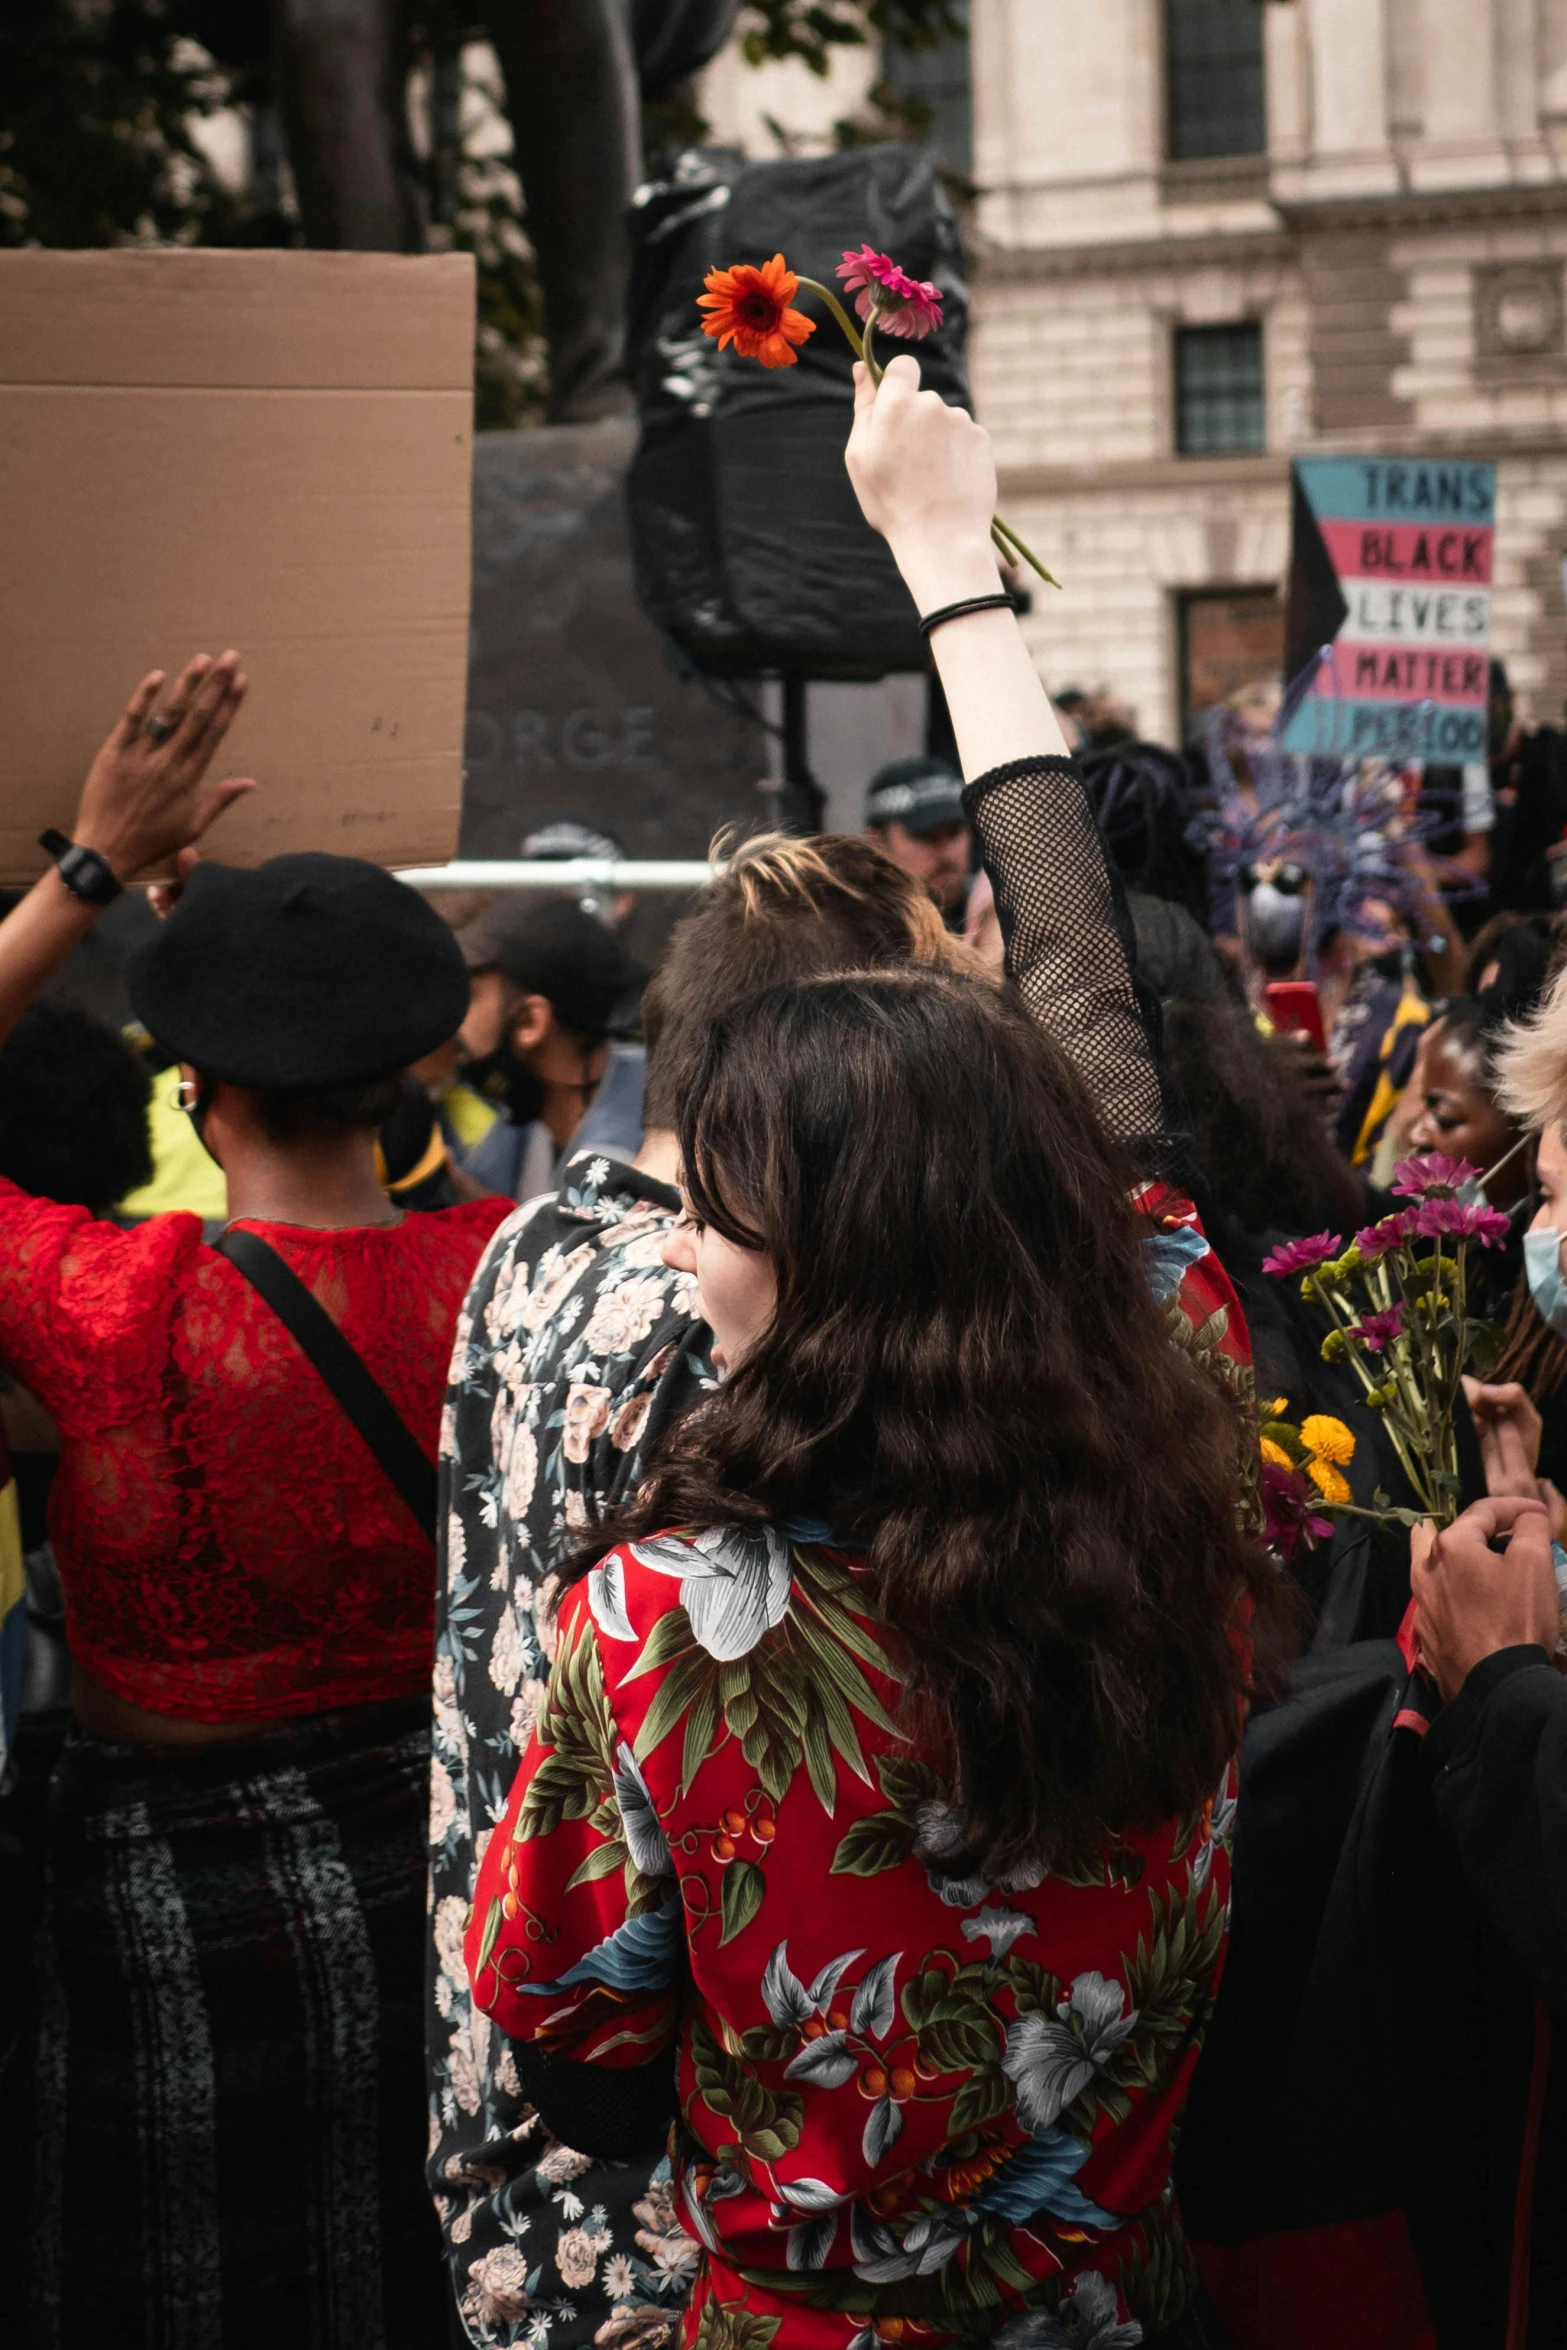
point(1211, 234)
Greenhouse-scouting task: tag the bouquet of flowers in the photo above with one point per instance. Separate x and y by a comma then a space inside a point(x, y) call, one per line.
point(751, 307)
point(1398, 1302)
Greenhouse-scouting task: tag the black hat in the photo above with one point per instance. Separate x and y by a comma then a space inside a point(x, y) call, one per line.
point(304, 973)
point(552, 948)
point(920, 794)
point(570, 837)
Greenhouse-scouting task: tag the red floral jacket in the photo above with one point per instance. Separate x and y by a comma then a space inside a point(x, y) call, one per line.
point(912, 2107)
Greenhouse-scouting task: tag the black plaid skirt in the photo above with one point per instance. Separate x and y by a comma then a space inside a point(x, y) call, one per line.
point(230, 2120)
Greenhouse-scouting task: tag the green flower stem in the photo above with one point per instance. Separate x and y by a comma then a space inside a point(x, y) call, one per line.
point(1461, 1324)
point(1408, 1454)
point(1447, 1377)
point(1418, 1387)
point(1008, 545)
point(851, 331)
point(1342, 1312)
point(1431, 1411)
point(1403, 1426)
point(1418, 1317)
point(1008, 536)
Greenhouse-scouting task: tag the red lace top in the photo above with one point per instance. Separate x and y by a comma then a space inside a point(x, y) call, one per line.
point(230, 1549)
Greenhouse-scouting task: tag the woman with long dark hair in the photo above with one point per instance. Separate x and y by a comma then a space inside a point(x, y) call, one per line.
point(886, 1763)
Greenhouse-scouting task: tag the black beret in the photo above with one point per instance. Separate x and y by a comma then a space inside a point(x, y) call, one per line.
point(304, 973)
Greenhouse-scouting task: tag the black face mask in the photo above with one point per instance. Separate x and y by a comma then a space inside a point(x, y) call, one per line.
point(506, 1081)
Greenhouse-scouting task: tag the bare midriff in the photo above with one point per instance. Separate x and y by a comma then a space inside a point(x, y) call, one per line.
point(103, 1715)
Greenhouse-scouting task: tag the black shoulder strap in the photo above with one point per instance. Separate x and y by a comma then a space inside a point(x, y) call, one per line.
point(351, 1384)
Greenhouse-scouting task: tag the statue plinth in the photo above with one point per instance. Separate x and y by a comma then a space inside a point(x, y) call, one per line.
point(576, 705)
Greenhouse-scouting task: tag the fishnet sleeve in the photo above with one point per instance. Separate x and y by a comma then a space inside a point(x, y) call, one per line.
point(1070, 948)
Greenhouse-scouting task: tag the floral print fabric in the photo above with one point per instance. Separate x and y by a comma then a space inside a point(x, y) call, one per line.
point(574, 1345)
point(575, 1339)
point(911, 2105)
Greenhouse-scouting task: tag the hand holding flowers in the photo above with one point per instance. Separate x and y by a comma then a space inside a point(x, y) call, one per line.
point(751, 307)
point(1475, 1597)
point(925, 478)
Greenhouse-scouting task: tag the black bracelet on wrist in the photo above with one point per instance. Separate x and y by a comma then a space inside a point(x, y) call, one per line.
point(1001, 601)
point(85, 874)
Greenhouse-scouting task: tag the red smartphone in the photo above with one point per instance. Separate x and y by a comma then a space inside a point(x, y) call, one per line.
point(1295, 1006)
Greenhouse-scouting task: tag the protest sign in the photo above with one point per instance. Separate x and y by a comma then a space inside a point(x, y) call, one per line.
point(1391, 570)
point(263, 449)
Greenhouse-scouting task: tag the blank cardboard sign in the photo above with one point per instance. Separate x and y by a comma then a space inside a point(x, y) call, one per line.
point(262, 449)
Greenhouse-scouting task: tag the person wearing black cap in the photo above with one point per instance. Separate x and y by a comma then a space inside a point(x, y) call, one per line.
point(230, 2078)
point(914, 811)
point(550, 987)
point(567, 838)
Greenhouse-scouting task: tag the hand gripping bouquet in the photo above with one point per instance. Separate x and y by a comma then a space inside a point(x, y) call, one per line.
point(1397, 1300)
point(751, 308)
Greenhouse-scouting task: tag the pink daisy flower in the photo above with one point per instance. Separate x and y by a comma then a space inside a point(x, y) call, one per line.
point(1433, 1175)
point(1302, 1256)
point(900, 304)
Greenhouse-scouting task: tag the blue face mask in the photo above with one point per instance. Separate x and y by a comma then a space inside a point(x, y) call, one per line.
point(1542, 1259)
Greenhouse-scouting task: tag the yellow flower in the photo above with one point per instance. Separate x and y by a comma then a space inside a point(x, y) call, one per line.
point(1329, 1439)
point(1329, 1482)
point(1277, 1409)
point(1275, 1453)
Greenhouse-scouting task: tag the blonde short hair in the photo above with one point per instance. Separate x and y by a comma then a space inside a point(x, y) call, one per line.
point(773, 868)
point(782, 910)
point(1530, 1062)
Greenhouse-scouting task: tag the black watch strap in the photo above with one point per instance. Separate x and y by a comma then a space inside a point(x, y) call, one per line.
point(86, 874)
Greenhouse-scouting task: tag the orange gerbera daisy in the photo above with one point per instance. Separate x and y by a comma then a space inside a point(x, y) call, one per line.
point(749, 307)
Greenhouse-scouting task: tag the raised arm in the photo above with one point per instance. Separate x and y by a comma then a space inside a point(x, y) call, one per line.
point(926, 479)
point(144, 800)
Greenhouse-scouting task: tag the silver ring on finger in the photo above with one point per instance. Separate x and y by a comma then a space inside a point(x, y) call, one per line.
point(159, 728)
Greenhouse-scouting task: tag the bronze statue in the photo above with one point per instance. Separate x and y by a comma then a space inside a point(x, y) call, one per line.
point(575, 72)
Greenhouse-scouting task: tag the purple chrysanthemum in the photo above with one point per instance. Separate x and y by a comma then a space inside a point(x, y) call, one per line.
point(1374, 1240)
point(1302, 1256)
point(1377, 1331)
point(1433, 1175)
point(1288, 1515)
point(1456, 1219)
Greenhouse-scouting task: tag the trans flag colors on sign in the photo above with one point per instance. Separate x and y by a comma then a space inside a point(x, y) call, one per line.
point(1391, 572)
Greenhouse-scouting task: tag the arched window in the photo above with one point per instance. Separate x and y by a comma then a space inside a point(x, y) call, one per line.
point(1213, 78)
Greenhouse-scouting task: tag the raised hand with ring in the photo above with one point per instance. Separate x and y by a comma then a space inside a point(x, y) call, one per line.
point(146, 796)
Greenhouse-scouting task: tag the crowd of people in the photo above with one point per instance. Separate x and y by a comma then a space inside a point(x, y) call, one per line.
point(643, 1696)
